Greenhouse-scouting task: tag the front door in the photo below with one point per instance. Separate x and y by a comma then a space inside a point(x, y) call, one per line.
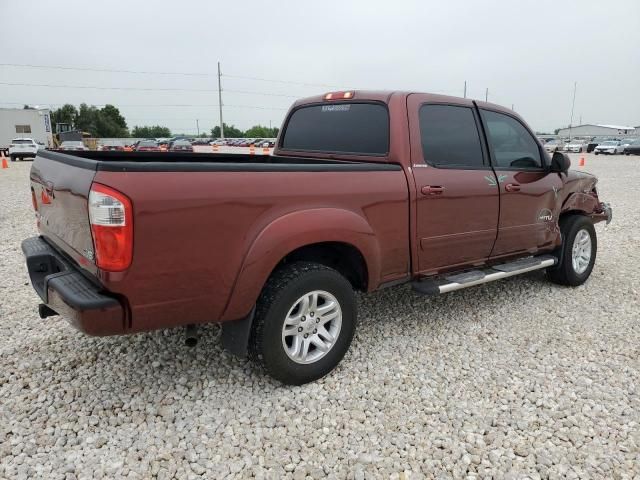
point(528, 207)
point(457, 202)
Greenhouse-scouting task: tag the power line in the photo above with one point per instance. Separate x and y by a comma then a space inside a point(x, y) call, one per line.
point(151, 105)
point(91, 87)
point(87, 69)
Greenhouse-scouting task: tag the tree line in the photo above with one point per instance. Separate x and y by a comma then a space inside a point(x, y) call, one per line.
point(108, 122)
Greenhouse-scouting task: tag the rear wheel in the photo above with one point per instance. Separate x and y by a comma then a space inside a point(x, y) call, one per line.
point(305, 320)
point(577, 254)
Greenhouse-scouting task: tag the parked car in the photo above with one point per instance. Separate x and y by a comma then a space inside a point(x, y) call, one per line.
point(577, 146)
point(633, 148)
point(147, 146)
point(411, 191)
point(553, 146)
point(181, 146)
point(201, 141)
point(21, 148)
point(73, 146)
point(112, 146)
point(610, 147)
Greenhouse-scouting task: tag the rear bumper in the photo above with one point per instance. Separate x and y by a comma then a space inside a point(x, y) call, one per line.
point(23, 154)
point(69, 293)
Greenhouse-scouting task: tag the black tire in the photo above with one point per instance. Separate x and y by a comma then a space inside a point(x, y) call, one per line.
point(13, 158)
point(564, 273)
point(595, 153)
point(283, 289)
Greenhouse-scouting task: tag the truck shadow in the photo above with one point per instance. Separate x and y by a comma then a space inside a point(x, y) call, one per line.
point(157, 370)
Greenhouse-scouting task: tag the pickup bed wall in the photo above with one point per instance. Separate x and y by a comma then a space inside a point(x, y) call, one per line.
point(193, 232)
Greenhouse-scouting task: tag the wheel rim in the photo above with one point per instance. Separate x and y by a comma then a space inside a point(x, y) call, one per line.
point(581, 251)
point(311, 327)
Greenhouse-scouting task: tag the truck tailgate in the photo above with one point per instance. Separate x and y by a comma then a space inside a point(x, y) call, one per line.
point(61, 190)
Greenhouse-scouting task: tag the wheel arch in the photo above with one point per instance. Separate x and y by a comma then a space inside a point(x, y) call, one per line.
point(338, 238)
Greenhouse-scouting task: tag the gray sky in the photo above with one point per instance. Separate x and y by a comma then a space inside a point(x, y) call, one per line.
point(528, 53)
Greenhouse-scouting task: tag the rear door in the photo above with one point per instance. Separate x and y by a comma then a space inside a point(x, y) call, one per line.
point(528, 191)
point(457, 192)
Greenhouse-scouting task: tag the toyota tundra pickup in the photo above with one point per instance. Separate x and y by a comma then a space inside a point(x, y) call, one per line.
point(365, 190)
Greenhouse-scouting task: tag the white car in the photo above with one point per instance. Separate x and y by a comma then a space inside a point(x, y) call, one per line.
point(73, 145)
point(553, 146)
point(21, 148)
point(577, 146)
point(611, 147)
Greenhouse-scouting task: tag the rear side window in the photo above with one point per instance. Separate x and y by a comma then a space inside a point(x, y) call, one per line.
point(352, 128)
point(513, 146)
point(449, 136)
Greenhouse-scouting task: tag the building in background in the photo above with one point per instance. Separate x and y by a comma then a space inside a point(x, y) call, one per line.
point(590, 130)
point(32, 123)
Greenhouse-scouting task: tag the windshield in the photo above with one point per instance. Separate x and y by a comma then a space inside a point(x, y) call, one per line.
point(353, 128)
point(610, 143)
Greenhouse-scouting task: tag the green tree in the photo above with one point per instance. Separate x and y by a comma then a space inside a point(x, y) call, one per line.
point(110, 123)
point(65, 114)
point(230, 131)
point(258, 131)
point(155, 131)
point(87, 119)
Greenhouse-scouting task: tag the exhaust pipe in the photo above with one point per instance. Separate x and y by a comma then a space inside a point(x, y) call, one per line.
point(44, 311)
point(191, 335)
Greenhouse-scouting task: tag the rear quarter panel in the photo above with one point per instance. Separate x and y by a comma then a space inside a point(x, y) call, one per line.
point(193, 232)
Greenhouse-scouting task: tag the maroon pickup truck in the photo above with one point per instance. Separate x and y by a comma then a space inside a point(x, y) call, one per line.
point(365, 190)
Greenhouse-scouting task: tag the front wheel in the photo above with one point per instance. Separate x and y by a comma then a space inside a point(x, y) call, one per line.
point(305, 320)
point(577, 254)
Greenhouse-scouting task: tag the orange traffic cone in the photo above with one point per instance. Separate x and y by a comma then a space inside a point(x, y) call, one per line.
point(265, 150)
point(4, 161)
point(215, 148)
point(252, 149)
point(581, 164)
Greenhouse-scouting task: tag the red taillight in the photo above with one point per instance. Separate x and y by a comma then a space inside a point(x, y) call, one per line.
point(338, 95)
point(111, 218)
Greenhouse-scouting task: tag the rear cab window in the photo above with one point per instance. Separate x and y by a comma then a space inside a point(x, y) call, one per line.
point(355, 128)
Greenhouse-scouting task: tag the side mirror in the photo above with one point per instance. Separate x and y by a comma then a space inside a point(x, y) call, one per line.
point(560, 162)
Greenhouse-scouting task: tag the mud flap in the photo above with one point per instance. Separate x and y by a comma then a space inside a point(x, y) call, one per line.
point(235, 335)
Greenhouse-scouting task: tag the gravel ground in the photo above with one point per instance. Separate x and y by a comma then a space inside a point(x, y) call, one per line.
point(515, 379)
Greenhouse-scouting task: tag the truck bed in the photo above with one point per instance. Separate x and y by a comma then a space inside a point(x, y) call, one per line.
point(208, 227)
point(223, 162)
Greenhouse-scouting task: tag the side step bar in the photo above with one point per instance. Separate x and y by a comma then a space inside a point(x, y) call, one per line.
point(449, 283)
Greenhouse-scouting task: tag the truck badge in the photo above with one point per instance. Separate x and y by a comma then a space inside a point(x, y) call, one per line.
point(545, 215)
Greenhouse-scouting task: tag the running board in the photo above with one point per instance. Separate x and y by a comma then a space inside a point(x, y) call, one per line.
point(449, 283)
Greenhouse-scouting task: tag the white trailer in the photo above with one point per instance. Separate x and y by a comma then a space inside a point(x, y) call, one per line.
point(32, 123)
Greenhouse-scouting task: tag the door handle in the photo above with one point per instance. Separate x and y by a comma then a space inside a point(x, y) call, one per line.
point(512, 187)
point(432, 190)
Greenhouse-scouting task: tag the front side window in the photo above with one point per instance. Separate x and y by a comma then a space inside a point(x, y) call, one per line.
point(352, 128)
point(513, 146)
point(450, 136)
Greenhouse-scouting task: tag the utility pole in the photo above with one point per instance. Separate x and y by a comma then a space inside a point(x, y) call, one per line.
point(220, 102)
point(198, 127)
point(465, 89)
point(486, 95)
point(573, 104)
